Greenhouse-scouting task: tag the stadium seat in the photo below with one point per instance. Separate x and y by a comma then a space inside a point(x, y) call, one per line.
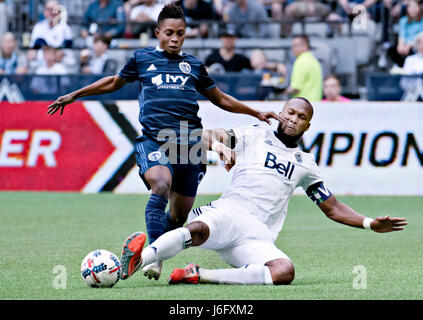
point(319, 29)
point(323, 53)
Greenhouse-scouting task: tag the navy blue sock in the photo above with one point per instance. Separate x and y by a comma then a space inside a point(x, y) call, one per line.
point(155, 218)
point(171, 224)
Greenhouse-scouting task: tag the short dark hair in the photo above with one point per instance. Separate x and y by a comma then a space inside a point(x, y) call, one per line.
point(305, 38)
point(171, 11)
point(332, 76)
point(49, 48)
point(103, 38)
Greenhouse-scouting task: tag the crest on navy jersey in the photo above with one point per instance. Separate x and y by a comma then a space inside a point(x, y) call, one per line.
point(298, 157)
point(154, 156)
point(185, 67)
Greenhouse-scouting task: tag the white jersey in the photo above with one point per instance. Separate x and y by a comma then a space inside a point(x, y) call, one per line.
point(54, 36)
point(265, 176)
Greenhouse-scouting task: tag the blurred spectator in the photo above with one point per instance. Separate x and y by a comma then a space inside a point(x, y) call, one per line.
point(147, 11)
point(398, 9)
point(275, 8)
point(226, 59)
point(6, 9)
point(306, 76)
point(10, 61)
point(51, 66)
point(52, 30)
point(332, 90)
point(249, 18)
point(260, 64)
point(413, 65)
point(46, 84)
point(128, 5)
point(222, 8)
point(104, 17)
point(67, 58)
point(349, 8)
point(306, 8)
point(197, 10)
point(99, 61)
point(409, 26)
point(33, 60)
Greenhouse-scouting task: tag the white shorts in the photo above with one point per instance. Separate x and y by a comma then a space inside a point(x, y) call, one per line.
point(239, 239)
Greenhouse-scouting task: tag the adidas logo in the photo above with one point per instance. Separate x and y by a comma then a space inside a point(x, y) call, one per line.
point(269, 142)
point(151, 67)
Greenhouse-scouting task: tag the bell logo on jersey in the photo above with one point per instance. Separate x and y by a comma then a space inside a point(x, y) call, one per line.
point(285, 170)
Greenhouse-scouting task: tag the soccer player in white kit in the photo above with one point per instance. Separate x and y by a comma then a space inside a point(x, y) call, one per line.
point(243, 224)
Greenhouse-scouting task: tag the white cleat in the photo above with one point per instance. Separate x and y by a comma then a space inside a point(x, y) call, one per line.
point(153, 270)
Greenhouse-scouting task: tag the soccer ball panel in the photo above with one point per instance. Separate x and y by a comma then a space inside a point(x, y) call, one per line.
point(100, 269)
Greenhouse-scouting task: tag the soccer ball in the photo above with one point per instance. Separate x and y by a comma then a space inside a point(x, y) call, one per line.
point(100, 269)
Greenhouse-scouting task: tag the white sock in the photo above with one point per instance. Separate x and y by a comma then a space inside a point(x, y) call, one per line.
point(249, 274)
point(166, 246)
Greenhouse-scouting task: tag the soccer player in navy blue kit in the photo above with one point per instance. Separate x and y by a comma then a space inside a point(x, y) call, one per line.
point(170, 82)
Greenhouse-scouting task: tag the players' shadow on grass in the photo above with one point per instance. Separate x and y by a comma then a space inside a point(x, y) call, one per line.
point(320, 282)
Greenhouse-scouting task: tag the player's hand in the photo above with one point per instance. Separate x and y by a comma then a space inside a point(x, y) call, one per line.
point(267, 115)
point(388, 224)
point(227, 155)
point(60, 104)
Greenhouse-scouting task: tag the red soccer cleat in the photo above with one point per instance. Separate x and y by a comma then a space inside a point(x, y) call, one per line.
point(189, 274)
point(131, 254)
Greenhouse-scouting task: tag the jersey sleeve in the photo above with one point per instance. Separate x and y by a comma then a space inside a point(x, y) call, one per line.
point(314, 187)
point(129, 71)
point(204, 82)
point(312, 177)
point(243, 135)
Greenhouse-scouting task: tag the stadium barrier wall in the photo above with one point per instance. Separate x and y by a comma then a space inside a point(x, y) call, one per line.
point(362, 148)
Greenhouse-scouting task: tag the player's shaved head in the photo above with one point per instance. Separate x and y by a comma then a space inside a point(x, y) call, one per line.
point(301, 102)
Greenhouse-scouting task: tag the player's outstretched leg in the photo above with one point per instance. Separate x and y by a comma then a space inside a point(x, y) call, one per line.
point(189, 274)
point(131, 254)
point(165, 247)
point(279, 271)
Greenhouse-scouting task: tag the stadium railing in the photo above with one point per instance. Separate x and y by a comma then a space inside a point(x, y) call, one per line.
point(18, 88)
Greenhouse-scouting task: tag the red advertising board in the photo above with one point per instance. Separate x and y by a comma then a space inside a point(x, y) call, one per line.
point(49, 152)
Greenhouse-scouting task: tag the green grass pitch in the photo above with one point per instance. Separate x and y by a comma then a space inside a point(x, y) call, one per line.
point(39, 231)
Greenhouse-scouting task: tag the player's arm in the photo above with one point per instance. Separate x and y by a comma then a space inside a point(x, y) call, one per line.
point(231, 104)
point(221, 141)
point(101, 86)
point(342, 213)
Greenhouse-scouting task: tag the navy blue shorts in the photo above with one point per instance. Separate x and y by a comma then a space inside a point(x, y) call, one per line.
point(186, 176)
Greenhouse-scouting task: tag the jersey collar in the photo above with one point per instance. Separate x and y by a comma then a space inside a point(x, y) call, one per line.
point(291, 148)
point(162, 50)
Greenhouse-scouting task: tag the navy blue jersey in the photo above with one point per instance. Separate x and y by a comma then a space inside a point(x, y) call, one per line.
point(169, 86)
